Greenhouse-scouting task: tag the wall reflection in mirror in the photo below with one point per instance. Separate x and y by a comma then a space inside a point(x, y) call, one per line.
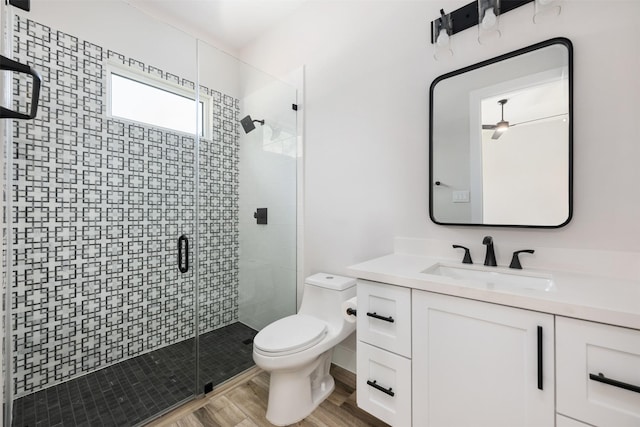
point(501, 140)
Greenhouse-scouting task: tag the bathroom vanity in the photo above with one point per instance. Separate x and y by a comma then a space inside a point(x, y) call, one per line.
point(441, 344)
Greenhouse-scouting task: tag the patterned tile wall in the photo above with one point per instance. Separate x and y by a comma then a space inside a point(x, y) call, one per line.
point(98, 206)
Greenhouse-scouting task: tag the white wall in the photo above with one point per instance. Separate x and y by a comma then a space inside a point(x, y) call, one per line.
point(368, 66)
point(268, 157)
point(525, 177)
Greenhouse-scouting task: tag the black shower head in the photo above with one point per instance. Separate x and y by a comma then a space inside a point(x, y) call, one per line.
point(247, 124)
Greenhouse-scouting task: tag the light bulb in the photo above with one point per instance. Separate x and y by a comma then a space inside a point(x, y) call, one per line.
point(502, 126)
point(489, 19)
point(443, 38)
point(545, 9)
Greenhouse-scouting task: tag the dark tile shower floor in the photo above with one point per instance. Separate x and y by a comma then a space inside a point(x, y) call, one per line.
point(132, 391)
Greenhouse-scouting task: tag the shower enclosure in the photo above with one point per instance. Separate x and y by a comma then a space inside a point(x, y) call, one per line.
point(134, 272)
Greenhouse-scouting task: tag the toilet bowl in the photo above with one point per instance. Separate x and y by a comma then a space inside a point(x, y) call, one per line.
point(296, 350)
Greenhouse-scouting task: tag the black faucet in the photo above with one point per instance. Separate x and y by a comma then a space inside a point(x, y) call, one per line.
point(467, 254)
point(490, 257)
point(515, 261)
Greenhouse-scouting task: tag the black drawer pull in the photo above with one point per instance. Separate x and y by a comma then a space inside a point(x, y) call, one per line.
point(183, 254)
point(377, 316)
point(539, 357)
point(382, 389)
point(602, 379)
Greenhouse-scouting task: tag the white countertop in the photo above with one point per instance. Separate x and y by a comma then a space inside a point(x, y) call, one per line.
point(599, 299)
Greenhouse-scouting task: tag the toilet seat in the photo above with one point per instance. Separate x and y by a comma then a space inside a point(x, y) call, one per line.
point(290, 335)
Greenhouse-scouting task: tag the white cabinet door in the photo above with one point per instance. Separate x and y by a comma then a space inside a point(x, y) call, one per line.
point(480, 364)
point(598, 373)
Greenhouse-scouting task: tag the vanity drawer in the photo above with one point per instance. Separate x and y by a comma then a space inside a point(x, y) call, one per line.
point(384, 385)
point(584, 350)
point(384, 316)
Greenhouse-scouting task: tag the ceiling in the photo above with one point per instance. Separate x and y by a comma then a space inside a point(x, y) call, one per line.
point(232, 23)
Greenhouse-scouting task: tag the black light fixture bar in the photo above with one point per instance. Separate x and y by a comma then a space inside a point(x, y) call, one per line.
point(21, 4)
point(467, 15)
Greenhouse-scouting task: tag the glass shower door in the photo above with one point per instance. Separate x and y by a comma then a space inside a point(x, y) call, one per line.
point(138, 273)
point(103, 311)
point(246, 267)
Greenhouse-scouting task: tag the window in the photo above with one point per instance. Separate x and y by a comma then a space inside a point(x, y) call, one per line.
point(143, 99)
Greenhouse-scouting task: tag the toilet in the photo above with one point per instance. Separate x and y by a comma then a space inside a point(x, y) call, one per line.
point(296, 350)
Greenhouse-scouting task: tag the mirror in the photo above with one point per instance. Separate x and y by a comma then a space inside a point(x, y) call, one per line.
point(500, 142)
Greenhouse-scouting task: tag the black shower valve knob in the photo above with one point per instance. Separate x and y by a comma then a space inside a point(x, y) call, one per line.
point(260, 215)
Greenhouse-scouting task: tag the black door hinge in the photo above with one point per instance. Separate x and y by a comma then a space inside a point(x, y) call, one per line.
point(294, 107)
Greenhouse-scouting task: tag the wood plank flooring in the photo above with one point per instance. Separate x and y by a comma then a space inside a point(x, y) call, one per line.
point(244, 404)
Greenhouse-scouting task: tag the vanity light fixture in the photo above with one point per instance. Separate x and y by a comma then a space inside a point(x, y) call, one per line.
point(440, 31)
point(488, 20)
point(470, 15)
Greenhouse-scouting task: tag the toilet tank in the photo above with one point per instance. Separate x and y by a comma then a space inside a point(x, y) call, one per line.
point(324, 294)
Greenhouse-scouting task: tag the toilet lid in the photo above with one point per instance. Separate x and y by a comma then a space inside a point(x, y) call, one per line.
point(290, 334)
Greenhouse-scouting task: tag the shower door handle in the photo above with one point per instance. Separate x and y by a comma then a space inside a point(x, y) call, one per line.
point(183, 254)
point(11, 65)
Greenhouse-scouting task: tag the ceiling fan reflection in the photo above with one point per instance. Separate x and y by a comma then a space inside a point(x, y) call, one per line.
point(503, 125)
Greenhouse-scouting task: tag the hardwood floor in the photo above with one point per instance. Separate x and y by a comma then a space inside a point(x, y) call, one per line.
point(244, 404)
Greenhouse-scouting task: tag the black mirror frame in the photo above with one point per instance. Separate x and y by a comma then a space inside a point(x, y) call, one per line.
point(558, 40)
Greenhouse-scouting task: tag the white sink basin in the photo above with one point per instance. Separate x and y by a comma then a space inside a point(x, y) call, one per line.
point(494, 277)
